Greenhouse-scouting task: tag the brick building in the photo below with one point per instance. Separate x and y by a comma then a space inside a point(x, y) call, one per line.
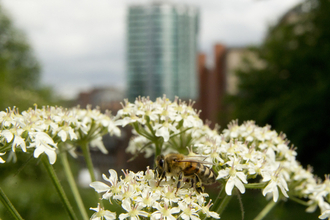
point(212, 84)
point(220, 79)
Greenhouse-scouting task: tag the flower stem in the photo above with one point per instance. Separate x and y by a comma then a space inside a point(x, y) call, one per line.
point(217, 200)
point(73, 185)
point(266, 210)
point(88, 159)
point(255, 185)
point(58, 187)
point(158, 149)
point(221, 201)
point(6, 202)
point(90, 167)
point(298, 200)
point(223, 204)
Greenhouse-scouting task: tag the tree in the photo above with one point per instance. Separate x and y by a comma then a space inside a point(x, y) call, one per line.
point(19, 69)
point(20, 86)
point(291, 91)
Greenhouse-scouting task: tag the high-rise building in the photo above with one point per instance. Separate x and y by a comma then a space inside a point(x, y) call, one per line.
point(162, 50)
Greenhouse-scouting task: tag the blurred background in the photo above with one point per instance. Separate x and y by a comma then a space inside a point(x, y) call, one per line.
point(262, 60)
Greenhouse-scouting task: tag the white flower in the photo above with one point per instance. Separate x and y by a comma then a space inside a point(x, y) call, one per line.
point(127, 108)
point(235, 179)
point(188, 120)
point(233, 130)
point(99, 186)
point(97, 142)
point(206, 210)
point(164, 212)
point(102, 187)
point(44, 144)
point(138, 193)
point(151, 113)
point(188, 211)
point(127, 192)
point(133, 211)
point(325, 214)
point(169, 194)
point(66, 131)
point(14, 135)
point(149, 174)
point(18, 142)
point(276, 180)
point(113, 129)
point(102, 214)
point(164, 129)
point(325, 210)
point(2, 160)
point(8, 135)
point(49, 124)
point(147, 198)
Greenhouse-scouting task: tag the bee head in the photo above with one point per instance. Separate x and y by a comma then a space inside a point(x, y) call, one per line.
point(160, 160)
point(160, 165)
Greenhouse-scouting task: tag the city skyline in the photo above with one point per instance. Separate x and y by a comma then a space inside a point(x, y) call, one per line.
point(162, 50)
point(82, 46)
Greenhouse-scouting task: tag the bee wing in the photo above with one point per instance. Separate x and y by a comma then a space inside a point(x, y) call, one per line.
point(196, 159)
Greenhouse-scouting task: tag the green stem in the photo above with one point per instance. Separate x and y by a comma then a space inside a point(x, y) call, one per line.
point(217, 201)
point(88, 159)
point(150, 128)
point(90, 167)
point(255, 185)
point(181, 132)
point(158, 146)
point(73, 185)
point(221, 201)
point(58, 187)
point(6, 202)
point(223, 204)
point(141, 131)
point(298, 200)
point(266, 210)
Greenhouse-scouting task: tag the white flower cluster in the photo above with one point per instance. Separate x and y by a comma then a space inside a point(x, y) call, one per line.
point(244, 156)
point(244, 153)
point(41, 130)
point(139, 195)
point(247, 152)
point(173, 122)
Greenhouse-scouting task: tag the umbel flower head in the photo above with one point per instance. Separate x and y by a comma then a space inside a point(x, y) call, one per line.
point(139, 195)
point(173, 124)
point(43, 130)
point(245, 155)
point(242, 156)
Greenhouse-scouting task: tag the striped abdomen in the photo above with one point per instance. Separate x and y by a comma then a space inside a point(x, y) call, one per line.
point(206, 174)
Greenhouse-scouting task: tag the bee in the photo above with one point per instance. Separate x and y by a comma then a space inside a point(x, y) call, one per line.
point(188, 167)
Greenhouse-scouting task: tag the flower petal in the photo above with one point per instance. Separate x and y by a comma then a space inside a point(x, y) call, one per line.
point(229, 186)
point(99, 186)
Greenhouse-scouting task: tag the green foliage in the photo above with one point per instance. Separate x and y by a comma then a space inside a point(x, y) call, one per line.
point(19, 86)
point(19, 69)
point(290, 87)
point(253, 203)
point(31, 191)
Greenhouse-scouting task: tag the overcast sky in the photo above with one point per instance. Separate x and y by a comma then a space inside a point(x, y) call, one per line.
point(81, 43)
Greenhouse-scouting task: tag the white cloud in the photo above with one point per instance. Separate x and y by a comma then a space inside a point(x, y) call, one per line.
point(81, 44)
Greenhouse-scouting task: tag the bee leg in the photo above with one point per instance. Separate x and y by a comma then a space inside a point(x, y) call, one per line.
point(157, 173)
point(198, 184)
point(162, 176)
point(179, 182)
point(192, 183)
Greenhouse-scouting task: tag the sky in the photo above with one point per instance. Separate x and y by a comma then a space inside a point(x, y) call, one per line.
point(81, 44)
